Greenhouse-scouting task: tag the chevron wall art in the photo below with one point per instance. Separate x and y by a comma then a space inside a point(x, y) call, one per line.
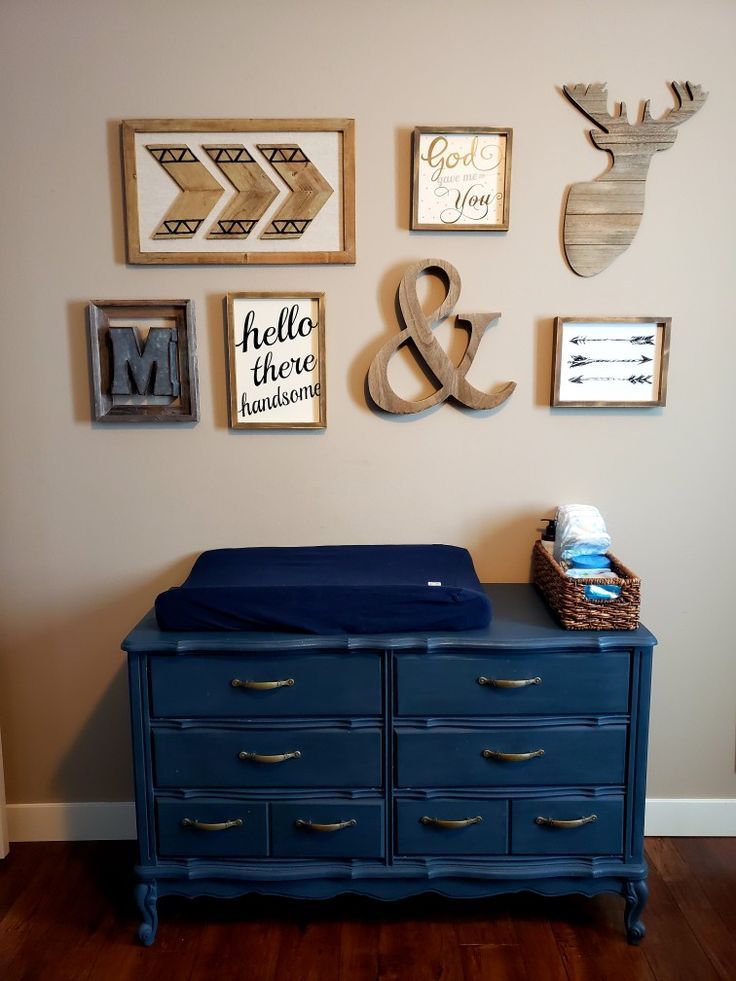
point(240, 190)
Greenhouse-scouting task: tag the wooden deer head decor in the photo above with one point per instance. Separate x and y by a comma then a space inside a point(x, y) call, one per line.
point(602, 216)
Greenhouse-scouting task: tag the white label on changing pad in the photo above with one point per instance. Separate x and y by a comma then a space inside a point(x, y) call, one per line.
point(434, 583)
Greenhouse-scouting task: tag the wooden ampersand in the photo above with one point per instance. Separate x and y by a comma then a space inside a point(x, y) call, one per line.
point(602, 216)
point(451, 378)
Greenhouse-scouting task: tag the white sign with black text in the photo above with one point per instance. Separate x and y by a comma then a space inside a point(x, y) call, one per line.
point(276, 360)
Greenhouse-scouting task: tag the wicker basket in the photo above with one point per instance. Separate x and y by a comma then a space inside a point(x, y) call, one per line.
point(566, 599)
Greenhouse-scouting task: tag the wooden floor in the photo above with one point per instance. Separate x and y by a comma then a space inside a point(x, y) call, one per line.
point(66, 913)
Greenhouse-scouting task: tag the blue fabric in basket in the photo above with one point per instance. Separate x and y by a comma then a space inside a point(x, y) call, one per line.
point(330, 589)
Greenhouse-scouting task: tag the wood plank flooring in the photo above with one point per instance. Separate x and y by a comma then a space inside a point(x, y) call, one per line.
point(66, 914)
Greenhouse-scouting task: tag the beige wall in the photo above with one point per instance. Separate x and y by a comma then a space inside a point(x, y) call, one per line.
point(97, 520)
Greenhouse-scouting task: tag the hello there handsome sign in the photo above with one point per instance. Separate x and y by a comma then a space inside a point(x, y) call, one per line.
point(276, 360)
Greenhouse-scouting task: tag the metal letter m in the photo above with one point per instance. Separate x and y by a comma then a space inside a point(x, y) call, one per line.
point(136, 366)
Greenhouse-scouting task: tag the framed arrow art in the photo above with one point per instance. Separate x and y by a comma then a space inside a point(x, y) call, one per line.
point(234, 191)
point(607, 361)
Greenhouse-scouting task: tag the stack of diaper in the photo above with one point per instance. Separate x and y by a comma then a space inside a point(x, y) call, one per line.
point(581, 543)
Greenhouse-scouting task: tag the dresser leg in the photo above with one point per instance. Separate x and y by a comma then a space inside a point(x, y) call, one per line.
point(146, 895)
point(636, 894)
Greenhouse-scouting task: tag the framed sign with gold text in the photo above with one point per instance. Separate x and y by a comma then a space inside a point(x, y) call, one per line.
point(461, 178)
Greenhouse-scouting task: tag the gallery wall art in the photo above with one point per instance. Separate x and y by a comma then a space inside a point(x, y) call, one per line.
point(461, 178)
point(605, 361)
point(602, 216)
point(276, 360)
point(143, 360)
point(239, 190)
point(417, 333)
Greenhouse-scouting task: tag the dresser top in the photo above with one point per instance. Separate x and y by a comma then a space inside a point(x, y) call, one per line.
point(521, 621)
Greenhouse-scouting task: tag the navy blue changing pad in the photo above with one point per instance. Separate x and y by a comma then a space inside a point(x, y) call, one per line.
point(329, 589)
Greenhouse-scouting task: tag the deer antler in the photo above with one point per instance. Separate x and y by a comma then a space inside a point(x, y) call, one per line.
point(690, 98)
point(593, 101)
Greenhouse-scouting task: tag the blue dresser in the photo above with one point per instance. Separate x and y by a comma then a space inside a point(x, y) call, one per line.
point(468, 764)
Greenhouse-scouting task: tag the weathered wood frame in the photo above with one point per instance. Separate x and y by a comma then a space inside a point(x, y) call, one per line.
point(664, 323)
point(346, 129)
point(503, 225)
point(99, 313)
point(321, 423)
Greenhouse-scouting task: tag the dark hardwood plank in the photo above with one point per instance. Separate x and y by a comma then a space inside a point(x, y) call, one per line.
point(530, 918)
point(26, 922)
point(67, 914)
point(488, 944)
point(17, 873)
point(670, 946)
point(717, 940)
point(358, 950)
point(592, 941)
point(713, 862)
point(419, 936)
point(310, 951)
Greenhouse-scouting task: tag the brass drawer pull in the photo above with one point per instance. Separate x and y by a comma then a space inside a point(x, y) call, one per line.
point(492, 754)
point(313, 826)
point(205, 826)
point(443, 823)
point(260, 758)
point(557, 823)
point(508, 682)
point(262, 685)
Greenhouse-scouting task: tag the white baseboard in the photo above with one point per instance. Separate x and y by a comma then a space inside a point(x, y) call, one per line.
point(93, 821)
point(105, 821)
point(698, 817)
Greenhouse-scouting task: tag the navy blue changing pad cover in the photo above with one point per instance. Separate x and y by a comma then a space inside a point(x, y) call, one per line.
point(329, 589)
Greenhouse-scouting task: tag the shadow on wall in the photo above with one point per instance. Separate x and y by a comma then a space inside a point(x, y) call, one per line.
point(502, 551)
point(64, 698)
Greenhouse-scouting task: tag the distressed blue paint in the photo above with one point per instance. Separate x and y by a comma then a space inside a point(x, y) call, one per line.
point(564, 683)
point(361, 758)
point(604, 836)
point(453, 757)
point(362, 840)
point(250, 838)
point(490, 837)
point(201, 757)
point(202, 686)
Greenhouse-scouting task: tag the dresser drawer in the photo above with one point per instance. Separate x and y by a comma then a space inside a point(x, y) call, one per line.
point(211, 828)
point(255, 686)
point(201, 757)
point(555, 826)
point(448, 757)
point(319, 829)
point(513, 684)
point(451, 827)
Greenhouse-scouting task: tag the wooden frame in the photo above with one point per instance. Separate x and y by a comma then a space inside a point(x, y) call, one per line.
point(605, 359)
point(239, 191)
point(272, 397)
point(454, 187)
point(4, 842)
point(171, 367)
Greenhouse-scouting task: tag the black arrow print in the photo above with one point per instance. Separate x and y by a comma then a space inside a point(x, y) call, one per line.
point(579, 360)
point(638, 339)
point(633, 379)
